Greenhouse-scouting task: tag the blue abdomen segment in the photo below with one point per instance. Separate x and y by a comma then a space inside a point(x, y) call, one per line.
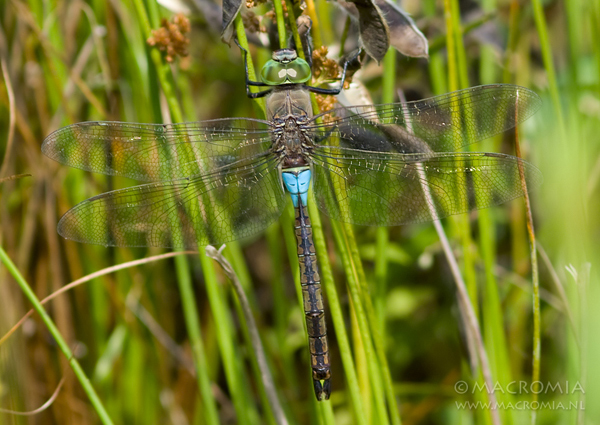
point(297, 182)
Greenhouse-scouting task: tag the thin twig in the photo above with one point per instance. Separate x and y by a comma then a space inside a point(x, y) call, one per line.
point(48, 403)
point(525, 285)
point(267, 379)
point(14, 177)
point(43, 407)
point(144, 316)
point(559, 288)
point(537, 344)
point(469, 318)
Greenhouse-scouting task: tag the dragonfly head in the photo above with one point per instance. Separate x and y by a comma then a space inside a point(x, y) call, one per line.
point(285, 67)
point(284, 55)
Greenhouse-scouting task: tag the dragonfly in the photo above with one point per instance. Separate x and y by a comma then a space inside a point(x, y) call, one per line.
point(216, 181)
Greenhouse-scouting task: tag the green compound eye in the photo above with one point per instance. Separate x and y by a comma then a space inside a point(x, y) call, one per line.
point(276, 72)
point(300, 69)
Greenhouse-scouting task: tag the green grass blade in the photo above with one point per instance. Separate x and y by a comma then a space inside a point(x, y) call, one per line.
point(337, 317)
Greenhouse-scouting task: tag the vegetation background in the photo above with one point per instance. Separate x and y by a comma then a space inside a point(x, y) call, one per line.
point(140, 334)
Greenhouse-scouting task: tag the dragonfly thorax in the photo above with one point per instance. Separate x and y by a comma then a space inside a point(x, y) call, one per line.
point(293, 143)
point(290, 110)
point(287, 101)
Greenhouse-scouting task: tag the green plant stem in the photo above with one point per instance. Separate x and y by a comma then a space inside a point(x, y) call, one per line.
point(487, 65)
point(461, 56)
point(372, 322)
point(439, 42)
point(537, 341)
point(281, 304)
point(540, 23)
point(491, 304)
point(233, 248)
point(537, 345)
point(224, 336)
point(337, 316)
point(163, 70)
point(513, 36)
point(192, 322)
point(281, 32)
point(357, 295)
point(335, 309)
point(381, 275)
point(468, 305)
point(451, 47)
point(255, 342)
point(455, 70)
point(184, 280)
point(287, 221)
point(455, 33)
point(316, 24)
point(381, 260)
point(64, 347)
point(594, 23)
point(295, 33)
point(243, 40)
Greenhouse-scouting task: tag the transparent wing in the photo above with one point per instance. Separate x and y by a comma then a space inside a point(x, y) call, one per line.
point(389, 189)
point(157, 152)
point(441, 124)
point(238, 200)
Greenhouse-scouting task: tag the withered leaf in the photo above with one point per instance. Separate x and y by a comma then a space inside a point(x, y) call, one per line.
point(230, 10)
point(373, 28)
point(381, 23)
point(404, 34)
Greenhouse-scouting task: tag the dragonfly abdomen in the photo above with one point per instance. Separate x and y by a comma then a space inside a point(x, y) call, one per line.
point(297, 181)
point(313, 304)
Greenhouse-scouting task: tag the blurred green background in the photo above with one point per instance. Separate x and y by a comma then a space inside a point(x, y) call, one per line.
point(133, 331)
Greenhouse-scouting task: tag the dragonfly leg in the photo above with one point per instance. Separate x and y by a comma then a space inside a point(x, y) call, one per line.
point(249, 82)
point(256, 95)
point(337, 90)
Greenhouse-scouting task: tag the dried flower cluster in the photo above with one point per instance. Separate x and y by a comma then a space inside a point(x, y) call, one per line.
point(326, 103)
point(324, 68)
point(171, 37)
point(271, 13)
point(284, 8)
point(252, 22)
point(253, 3)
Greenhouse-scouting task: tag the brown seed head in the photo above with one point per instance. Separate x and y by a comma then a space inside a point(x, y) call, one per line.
point(171, 37)
point(253, 3)
point(326, 103)
point(324, 68)
point(252, 22)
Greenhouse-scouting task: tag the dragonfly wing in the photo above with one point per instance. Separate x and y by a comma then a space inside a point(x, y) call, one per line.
point(388, 189)
point(239, 200)
point(157, 152)
point(441, 124)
